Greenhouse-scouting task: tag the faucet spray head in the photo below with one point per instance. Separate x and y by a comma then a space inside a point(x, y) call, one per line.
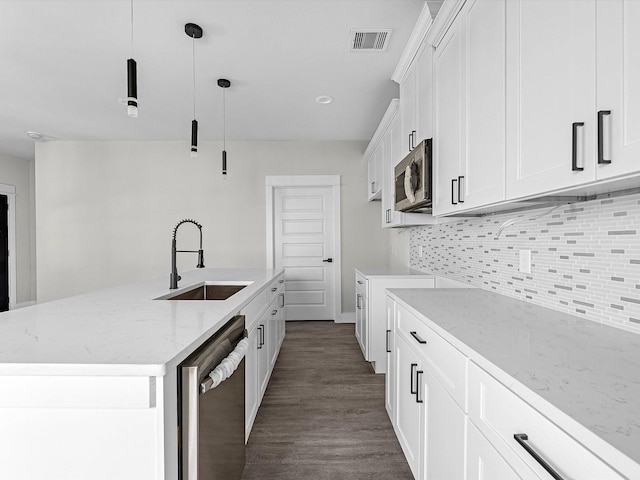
point(200, 259)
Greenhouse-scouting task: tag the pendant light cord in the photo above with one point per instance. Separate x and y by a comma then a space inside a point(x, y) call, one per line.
point(224, 119)
point(132, 29)
point(193, 53)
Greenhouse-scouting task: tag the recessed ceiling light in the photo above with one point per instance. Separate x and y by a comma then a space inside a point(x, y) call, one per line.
point(324, 99)
point(34, 135)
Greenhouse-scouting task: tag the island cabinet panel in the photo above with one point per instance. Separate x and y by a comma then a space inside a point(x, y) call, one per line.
point(124, 439)
point(484, 462)
point(266, 317)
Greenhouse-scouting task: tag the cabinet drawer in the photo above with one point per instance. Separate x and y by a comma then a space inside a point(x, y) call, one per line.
point(500, 414)
point(446, 363)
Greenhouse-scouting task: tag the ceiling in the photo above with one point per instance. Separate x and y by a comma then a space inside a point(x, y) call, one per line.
point(63, 67)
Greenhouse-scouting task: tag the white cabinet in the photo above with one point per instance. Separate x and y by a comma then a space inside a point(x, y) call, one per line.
point(265, 322)
point(501, 416)
point(429, 422)
point(551, 51)
point(371, 321)
point(374, 174)
point(469, 143)
point(484, 462)
point(390, 376)
point(409, 410)
point(618, 88)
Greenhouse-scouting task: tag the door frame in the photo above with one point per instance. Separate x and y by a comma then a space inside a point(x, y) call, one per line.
point(273, 182)
point(9, 191)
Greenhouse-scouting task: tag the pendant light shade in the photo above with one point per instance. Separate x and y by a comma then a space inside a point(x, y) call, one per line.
point(132, 88)
point(194, 31)
point(224, 84)
point(194, 138)
point(132, 79)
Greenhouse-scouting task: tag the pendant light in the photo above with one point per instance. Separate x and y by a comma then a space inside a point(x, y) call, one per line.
point(132, 79)
point(194, 31)
point(224, 84)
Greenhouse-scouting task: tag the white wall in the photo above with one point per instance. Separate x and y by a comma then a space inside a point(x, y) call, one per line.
point(19, 173)
point(106, 210)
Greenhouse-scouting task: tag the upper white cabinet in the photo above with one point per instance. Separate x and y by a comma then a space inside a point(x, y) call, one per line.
point(551, 87)
point(416, 100)
point(374, 174)
point(469, 143)
point(618, 88)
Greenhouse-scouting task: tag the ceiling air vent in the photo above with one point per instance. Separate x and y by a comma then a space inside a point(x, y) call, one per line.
point(369, 40)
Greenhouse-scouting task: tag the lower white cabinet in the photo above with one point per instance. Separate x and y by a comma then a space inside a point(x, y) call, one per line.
point(430, 425)
point(456, 421)
point(483, 461)
point(501, 416)
point(409, 410)
point(265, 338)
point(371, 323)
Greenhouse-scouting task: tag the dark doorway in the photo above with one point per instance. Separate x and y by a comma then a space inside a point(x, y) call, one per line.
point(4, 253)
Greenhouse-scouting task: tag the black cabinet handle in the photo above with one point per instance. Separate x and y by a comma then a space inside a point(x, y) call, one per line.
point(282, 300)
point(274, 312)
point(413, 139)
point(281, 280)
point(418, 373)
point(413, 367)
point(521, 438)
point(261, 336)
point(460, 189)
point(373, 189)
point(328, 260)
point(359, 282)
point(418, 339)
point(274, 289)
point(574, 147)
point(388, 215)
point(453, 189)
point(358, 301)
point(601, 136)
point(388, 349)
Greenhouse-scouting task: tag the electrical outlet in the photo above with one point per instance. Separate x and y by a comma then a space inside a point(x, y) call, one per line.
point(420, 251)
point(525, 261)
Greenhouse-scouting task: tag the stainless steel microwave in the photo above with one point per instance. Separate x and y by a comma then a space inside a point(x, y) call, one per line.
point(413, 182)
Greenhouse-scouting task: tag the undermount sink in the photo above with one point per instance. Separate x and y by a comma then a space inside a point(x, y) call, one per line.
point(208, 291)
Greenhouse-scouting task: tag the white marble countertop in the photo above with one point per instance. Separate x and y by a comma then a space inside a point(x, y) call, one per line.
point(392, 272)
point(122, 330)
point(588, 371)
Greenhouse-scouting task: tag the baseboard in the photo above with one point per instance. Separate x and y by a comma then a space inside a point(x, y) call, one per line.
point(346, 317)
point(22, 305)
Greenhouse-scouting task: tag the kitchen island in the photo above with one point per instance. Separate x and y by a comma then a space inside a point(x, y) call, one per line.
point(88, 384)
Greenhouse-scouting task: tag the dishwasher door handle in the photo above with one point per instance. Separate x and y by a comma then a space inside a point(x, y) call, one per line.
point(226, 367)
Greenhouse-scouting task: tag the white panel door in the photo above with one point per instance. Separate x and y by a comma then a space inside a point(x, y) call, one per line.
point(551, 93)
point(304, 239)
point(618, 82)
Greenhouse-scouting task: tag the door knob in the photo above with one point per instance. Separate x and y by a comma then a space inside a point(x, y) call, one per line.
point(328, 260)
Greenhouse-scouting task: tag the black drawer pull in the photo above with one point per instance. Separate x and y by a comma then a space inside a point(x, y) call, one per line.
point(460, 189)
point(521, 438)
point(388, 349)
point(273, 289)
point(418, 339)
point(413, 367)
point(418, 400)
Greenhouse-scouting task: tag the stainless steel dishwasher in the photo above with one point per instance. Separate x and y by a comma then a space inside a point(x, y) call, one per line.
point(211, 408)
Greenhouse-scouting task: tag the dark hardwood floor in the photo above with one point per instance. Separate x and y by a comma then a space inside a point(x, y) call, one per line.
point(323, 414)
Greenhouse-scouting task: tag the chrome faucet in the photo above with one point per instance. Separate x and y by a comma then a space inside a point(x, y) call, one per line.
point(174, 277)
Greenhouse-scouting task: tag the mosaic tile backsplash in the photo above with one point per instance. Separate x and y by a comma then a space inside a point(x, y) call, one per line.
point(585, 257)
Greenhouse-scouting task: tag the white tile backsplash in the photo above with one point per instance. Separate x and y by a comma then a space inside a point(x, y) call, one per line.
point(585, 257)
